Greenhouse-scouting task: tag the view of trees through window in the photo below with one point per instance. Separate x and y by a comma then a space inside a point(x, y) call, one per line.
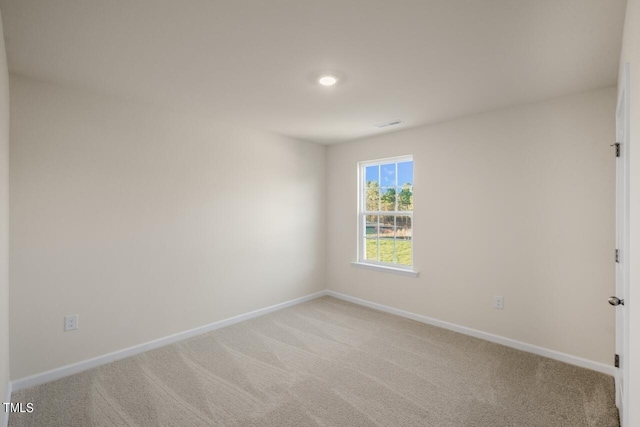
point(387, 211)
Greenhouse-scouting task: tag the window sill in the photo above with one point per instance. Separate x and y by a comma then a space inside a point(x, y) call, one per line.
point(385, 269)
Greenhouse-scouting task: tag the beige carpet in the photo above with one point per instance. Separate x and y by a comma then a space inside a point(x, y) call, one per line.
point(327, 363)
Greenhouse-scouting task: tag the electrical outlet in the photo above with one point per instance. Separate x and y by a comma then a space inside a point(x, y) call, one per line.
point(498, 302)
point(70, 322)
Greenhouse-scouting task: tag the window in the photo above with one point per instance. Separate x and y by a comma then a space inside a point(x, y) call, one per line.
point(385, 212)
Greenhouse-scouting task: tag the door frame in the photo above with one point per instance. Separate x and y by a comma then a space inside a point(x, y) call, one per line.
point(622, 243)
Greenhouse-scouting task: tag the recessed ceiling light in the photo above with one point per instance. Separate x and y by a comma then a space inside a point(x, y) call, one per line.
point(328, 80)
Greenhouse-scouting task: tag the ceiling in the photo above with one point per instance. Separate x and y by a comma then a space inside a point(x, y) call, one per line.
point(255, 62)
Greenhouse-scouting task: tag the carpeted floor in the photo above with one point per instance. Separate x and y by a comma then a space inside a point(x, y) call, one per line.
point(327, 363)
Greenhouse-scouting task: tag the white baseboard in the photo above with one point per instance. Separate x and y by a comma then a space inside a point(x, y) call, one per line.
point(54, 374)
point(84, 365)
point(541, 351)
point(5, 415)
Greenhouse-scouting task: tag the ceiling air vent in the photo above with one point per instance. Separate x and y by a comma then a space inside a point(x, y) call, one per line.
point(387, 124)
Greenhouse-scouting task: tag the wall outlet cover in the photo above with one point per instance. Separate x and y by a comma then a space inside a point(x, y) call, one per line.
point(70, 322)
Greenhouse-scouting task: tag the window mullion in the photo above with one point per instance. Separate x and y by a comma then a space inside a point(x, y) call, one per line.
point(379, 209)
point(379, 189)
point(362, 221)
point(395, 231)
point(395, 190)
point(363, 241)
point(389, 213)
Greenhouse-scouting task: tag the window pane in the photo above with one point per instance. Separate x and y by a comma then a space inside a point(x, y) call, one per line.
point(404, 242)
point(372, 194)
point(387, 234)
point(405, 173)
point(371, 226)
point(371, 249)
point(372, 174)
point(387, 226)
point(388, 199)
point(388, 175)
point(405, 197)
point(386, 250)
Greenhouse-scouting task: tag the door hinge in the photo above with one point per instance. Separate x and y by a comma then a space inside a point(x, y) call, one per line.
point(616, 361)
point(617, 145)
point(617, 255)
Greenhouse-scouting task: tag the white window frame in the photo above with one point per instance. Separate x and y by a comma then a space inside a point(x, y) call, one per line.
point(407, 270)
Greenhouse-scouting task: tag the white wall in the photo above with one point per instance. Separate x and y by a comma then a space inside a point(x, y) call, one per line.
point(518, 203)
point(4, 220)
point(631, 54)
point(147, 223)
